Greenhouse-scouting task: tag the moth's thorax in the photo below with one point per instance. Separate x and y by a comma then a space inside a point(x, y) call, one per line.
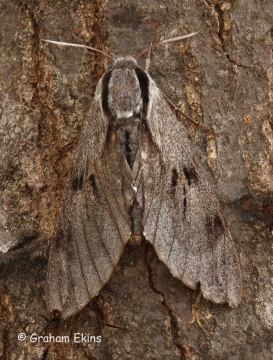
point(124, 98)
point(124, 93)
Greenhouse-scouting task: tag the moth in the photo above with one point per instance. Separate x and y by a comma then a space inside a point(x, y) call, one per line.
point(134, 173)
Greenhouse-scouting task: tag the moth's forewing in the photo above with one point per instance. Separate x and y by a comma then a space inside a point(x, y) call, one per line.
point(182, 217)
point(93, 225)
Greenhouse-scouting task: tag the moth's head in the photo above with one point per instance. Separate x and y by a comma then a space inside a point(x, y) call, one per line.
point(125, 62)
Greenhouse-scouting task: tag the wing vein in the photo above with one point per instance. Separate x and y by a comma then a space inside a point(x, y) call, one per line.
point(110, 210)
point(189, 236)
point(96, 222)
point(88, 245)
point(78, 255)
point(114, 196)
point(158, 214)
point(71, 280)
point(151, 202)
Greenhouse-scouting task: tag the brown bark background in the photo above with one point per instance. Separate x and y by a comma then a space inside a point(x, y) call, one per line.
point(223, 77)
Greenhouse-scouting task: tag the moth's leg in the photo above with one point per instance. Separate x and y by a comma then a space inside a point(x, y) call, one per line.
point(148, 58)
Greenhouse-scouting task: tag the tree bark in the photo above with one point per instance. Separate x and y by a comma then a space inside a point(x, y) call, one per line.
point(223, 78)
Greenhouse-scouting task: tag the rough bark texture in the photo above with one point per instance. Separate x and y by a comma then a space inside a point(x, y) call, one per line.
point(224, 79)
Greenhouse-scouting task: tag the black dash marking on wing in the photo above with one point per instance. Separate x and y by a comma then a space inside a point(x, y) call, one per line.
point(144, 87)
point(215, 224)
point(174, 177)
point(218, 223)
point(77, 183)
point(184, 200)
point(92, 182)
point(185, 206)
point(105, 92)
point(191, 175)
point(209, 224)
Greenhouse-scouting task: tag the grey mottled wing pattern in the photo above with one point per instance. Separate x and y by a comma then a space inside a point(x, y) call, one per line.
point(182, 218)
point(93, 225)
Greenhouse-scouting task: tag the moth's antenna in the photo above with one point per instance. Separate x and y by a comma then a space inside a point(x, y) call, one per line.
point(148, 59)
point(188, 117)
point(166, 41)
point(79, 45)
point(102, 46)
